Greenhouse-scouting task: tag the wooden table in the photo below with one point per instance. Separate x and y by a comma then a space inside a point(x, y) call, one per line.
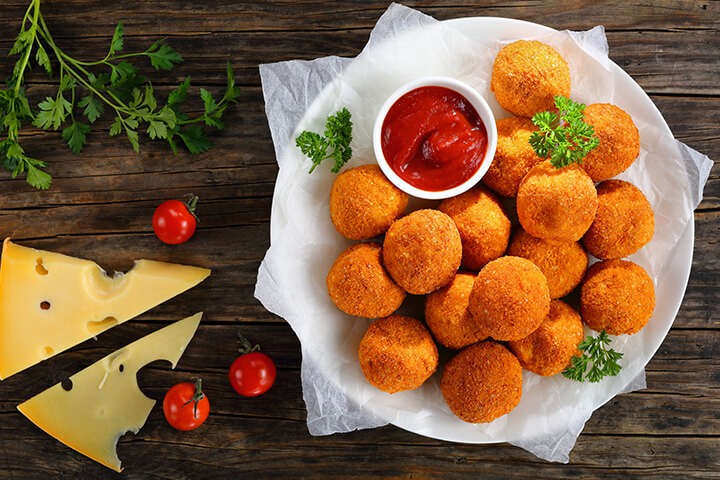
point(101, 203)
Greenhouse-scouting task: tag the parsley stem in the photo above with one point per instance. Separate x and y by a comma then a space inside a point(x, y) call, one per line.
point(26, 57)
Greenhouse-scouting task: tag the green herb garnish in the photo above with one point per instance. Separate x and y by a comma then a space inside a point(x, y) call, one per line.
point(337, 138)
point(563, 136)
point(82, 92)
point(604, 361)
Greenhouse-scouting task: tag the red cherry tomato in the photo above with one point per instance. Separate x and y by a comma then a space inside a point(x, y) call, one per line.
point(174, 221)
point(252, 374)
point(185, 405)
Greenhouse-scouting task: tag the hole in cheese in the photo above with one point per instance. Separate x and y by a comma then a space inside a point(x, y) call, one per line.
point(40, 268)
point(47, 352)
point(121, 368)
point(67, 384)
point(100, 326)
point(45, 305)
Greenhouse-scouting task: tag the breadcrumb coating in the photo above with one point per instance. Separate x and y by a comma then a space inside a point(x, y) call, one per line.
point(514, 156)
point(482, 382)
point(526, 77)
point(447, 315)
point(422, 251)
point(624, 222)
point(563, 263)
point(617, 296)
point(360, 286)
point(483, 225)
point(557, 204)
point(510, 298)
point(619, 141)
point(397, 353)
point(364, 203)
point(549, 349)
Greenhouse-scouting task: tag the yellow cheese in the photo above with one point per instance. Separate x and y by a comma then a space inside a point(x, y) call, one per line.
point(104, 401)
point(50, 302)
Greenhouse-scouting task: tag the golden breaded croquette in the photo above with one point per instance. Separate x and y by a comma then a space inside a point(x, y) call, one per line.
point(556, 204)
point(397, 353)
point(482, 382)
point(483, 225)
point(563, 263)
point(617, 296)
point(360, 286)
point(526, 77)
point(422, 251)
point(619, 141)
point(624, 222)
point(510, 298)
point(549, 349)
point(447, 315)
point(514, 156)
point(364, 203)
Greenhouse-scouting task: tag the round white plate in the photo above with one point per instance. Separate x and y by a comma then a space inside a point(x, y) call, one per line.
point(549, 405)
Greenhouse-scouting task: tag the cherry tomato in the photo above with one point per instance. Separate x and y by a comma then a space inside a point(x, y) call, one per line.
point(252, 374)
point(174, 221)
point(186, 406)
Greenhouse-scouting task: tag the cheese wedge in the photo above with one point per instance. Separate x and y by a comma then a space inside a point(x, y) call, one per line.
point(104, 401)
point(50, 302)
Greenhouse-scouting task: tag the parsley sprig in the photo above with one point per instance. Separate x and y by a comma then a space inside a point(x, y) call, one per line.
point(563, 135)
point(337, 138)
point(83, 91)
point(601, 360)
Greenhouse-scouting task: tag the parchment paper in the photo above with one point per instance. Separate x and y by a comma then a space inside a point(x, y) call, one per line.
point(404, 45)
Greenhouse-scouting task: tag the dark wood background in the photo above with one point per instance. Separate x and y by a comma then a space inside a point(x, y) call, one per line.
point(101, 204)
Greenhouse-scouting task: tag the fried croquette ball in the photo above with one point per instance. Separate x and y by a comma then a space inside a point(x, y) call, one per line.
point(563, 263)
point(360, 286)
point(364, 203)
point(514, 156)
point(624, 222)
point(397, 353)
point(482, 382)
point(422, 251)
point(526, 77)
point(549, 349)
point(619, 141)
point(557, 204)
point(447, 315)
point(483, 225)
point(510, 298)
point(617, 296)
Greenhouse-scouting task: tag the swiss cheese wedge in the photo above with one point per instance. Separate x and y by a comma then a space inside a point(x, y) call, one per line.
point(50, 302)
point(104, 401)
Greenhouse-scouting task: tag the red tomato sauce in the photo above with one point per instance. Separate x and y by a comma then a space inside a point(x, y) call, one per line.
point(433, 138)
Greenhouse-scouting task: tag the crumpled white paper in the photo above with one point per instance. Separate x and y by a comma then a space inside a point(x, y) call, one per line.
point(404, 45)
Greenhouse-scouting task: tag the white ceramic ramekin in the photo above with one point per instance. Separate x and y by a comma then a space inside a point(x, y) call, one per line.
point(483, 110)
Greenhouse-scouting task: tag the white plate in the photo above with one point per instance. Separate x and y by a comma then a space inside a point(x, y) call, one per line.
point(332, 343)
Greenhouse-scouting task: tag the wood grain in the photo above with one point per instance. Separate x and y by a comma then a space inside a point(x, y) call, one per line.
point(101, 202)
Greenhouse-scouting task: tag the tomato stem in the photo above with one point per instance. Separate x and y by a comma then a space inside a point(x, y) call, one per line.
point(247, 347)
point(191, 204)
point(199, 395)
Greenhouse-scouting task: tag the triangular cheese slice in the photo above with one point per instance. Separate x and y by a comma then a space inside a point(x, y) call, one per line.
point(104, 401)
point(50, 302)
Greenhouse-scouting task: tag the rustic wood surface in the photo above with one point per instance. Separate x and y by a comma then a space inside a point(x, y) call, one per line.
point(102, 201)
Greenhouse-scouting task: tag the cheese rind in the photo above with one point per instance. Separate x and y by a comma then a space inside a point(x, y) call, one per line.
point(105, 401)
point(50, 302)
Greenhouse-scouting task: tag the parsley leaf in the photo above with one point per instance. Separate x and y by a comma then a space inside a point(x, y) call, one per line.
point(93, 107)
point(195, 139)
point(74, 135)
point(116, 44)
point(563, 136)
point(164, 58)
point(337, 136)
point(604, 360)
point(53, 112)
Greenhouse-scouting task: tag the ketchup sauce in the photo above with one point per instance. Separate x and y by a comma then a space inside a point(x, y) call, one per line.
point(433, 138)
